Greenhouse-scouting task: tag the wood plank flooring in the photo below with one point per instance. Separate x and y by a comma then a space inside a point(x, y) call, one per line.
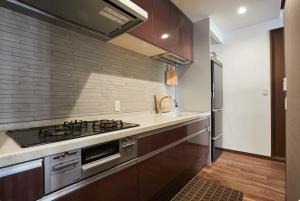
point(259, 179)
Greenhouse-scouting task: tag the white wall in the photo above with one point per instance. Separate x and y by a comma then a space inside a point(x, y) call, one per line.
point(193, 90)
point(247, 112)
point(215, 32)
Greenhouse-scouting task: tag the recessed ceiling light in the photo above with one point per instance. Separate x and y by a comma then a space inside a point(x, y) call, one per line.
point(242, 10)
point(165, 36)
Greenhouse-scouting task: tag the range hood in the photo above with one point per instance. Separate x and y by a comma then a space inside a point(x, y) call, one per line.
point(171, 58)
point(103, 19)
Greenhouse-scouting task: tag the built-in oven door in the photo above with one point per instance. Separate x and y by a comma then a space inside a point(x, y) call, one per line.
point(101, 157)
point(98, 158)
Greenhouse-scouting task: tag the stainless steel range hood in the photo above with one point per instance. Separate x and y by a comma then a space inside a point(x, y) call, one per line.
point(100, 18)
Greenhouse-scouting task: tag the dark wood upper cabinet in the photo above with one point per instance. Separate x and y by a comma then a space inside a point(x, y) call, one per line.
point(186, 39)
point(145, 31)
point(161, 23)
point(175, 22)
point(166, 19)
point(22, 186)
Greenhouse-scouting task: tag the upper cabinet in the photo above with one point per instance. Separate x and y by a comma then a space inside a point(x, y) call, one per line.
point(167, 28)
point(145, 31)
point(186, 39)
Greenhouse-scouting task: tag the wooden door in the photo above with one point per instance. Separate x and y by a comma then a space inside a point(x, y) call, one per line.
point(278, 95)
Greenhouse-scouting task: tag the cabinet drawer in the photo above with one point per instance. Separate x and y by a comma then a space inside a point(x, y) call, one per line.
point(26, 185)
point(151, 143)
point(163, 138)
point(198, 126)
point(163, 175)
point(120, 186)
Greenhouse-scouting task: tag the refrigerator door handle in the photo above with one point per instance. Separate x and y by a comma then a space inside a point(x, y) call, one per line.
point(215, 138)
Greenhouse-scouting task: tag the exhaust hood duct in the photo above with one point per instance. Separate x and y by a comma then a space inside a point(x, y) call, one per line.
point(104, 19)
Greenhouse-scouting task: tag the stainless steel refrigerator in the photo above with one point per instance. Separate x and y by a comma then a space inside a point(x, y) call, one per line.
point(216, 108)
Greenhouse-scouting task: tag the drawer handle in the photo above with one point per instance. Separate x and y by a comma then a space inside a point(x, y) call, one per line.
point(65, 165)
point(215, 138)
point(128, 145)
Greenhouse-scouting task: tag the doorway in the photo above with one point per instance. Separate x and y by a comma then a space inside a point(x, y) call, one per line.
point(277, 94)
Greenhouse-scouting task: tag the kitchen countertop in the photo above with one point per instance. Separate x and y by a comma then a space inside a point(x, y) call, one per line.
point(11, 153)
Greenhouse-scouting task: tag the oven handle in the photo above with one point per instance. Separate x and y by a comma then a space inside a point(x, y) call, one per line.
point(100, 162)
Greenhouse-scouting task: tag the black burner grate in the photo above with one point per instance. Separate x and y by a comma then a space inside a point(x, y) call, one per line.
point(108, 124)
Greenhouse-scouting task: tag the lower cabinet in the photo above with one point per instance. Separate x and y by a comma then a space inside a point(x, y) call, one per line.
point(163, 175)
point(23, 182)
point(168, 159)
point(120, 186)
point(159, 177)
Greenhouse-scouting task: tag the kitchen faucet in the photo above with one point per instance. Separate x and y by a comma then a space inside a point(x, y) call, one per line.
point(161, 100)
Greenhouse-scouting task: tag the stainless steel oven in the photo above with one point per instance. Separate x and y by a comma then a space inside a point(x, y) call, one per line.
point(69, 167)
point(98, 158)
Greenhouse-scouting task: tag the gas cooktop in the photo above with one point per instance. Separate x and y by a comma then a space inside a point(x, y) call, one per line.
point(66, 131)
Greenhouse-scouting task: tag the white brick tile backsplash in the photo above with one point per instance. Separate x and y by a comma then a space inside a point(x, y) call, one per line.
point(49, 72)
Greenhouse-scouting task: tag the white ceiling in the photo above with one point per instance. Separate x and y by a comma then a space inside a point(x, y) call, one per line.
point(224, 12)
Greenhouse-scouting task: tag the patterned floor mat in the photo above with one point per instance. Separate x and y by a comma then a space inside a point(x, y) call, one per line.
point(199, 189)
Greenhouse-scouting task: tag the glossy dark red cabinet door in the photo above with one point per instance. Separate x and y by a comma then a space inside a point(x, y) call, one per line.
point(145, 31)
point(153, 142)
point(163, 175)
point(23, 186)
point(175, 22)
point(186, 39)
point(166, 19)
point(161, 23)
point(121, 186)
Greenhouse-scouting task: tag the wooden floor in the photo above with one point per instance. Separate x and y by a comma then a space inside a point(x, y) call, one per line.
point(259, 179)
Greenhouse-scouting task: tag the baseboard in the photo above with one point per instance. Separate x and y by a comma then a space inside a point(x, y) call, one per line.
point(253, 155)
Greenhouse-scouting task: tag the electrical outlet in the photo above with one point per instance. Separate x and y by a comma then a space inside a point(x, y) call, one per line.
point(117, 106)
